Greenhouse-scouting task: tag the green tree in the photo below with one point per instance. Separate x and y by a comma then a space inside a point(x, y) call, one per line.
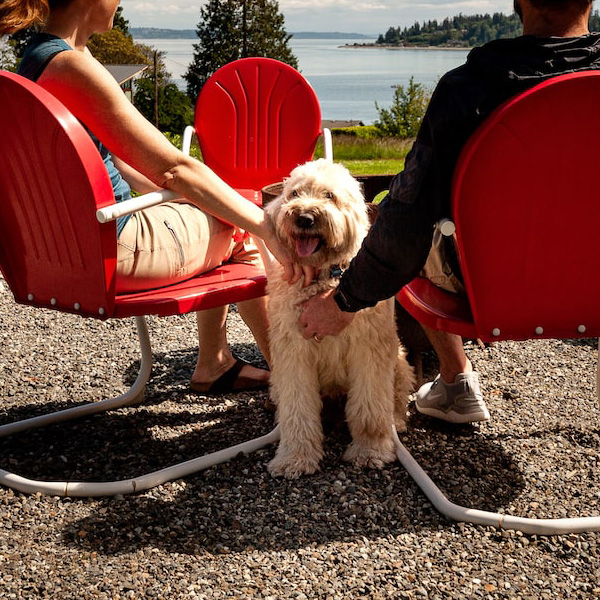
point(460, 30)
point(232, 29)
point(116, 48)
point(175, 109)
point(405, 116)
point(120, 22)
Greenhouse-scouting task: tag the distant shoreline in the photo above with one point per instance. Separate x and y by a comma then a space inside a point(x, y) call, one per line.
point(154, 33)
point(406, 47)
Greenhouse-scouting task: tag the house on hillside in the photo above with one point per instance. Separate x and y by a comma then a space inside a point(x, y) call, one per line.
point(124, 75)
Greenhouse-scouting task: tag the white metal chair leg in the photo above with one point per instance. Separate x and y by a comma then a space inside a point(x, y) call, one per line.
point(126, 486)
point(482, 517)
point(132, 396)
point(327, 144)
point(136, 484)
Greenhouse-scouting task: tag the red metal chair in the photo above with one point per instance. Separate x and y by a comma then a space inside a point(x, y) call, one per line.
point(57, 252)
point(526, 206)
point(256, 119)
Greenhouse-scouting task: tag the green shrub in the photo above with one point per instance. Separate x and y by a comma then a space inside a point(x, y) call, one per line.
point(359, 131)
point(175, 139)
point(404, 117)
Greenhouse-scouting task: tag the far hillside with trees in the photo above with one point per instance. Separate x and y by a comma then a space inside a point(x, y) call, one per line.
point(461, 31)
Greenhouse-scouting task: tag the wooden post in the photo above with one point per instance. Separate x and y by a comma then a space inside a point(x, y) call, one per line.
point(156, 89)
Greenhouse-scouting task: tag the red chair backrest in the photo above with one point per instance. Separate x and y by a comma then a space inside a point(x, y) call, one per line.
point(256, 119)
point(53, 251)
point(526, 202)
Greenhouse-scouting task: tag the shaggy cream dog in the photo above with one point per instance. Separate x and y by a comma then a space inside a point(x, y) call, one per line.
point(322, 218)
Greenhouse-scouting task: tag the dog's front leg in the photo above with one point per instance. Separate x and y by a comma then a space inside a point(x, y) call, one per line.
point(295, 389)
point(370, 412)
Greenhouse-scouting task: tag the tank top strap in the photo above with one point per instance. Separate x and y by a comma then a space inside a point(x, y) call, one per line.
point(42, 49)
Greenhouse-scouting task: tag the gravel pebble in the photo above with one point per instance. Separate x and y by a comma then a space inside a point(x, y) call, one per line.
point(233, 531)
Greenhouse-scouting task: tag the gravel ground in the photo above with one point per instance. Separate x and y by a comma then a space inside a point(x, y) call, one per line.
point(235, 532)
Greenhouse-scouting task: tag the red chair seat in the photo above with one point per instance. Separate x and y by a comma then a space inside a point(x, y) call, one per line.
point(227, 284)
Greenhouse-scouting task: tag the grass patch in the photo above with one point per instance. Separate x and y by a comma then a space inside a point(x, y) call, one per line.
point(368, 155)
point(359, 149)
point(372, 167)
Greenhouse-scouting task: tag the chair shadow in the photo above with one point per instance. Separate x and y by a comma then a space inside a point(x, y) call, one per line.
point(238, 506)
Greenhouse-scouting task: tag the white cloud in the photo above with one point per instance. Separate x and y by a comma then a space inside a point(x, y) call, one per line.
point(349, 5)
point(363, 16)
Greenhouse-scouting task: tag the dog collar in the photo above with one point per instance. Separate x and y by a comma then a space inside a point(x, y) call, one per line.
point(335, 272)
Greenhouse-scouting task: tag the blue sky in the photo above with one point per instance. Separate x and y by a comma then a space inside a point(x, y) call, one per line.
point(360, 16)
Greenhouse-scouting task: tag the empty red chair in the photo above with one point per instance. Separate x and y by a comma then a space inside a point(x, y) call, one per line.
point(256, 119)
point(526, 206)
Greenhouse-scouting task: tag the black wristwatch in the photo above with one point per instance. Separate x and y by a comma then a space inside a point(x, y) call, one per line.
point(342, 302)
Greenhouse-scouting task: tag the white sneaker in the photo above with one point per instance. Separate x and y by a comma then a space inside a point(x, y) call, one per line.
point(458, 402)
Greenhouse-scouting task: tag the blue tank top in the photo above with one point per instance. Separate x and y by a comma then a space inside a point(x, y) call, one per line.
point(41, 50)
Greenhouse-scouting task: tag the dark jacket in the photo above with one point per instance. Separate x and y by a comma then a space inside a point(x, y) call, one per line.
point(398, 244)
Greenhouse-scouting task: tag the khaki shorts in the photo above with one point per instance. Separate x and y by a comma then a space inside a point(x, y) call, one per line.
point(172, 242)
point(438, 270)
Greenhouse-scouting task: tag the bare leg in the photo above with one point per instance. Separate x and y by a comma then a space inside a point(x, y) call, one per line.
point(450, 351)
point(254, 313)
point(214, 355)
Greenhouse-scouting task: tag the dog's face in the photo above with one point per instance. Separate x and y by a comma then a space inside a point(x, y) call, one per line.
point(321, 216)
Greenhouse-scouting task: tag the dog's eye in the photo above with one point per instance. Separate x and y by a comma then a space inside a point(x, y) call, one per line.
point(329, 195)
point(295, 193)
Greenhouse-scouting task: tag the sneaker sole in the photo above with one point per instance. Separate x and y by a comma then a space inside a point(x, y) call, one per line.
point(454, 417)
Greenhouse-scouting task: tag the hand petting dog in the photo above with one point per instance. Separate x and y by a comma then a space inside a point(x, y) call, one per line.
point(321, 316)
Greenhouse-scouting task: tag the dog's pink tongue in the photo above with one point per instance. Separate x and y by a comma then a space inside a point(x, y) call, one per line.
point(306, 245)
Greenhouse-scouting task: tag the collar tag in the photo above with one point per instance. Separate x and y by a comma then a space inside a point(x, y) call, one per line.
point(336, 272)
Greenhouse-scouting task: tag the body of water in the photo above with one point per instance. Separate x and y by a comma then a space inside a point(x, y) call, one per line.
point(348, 81)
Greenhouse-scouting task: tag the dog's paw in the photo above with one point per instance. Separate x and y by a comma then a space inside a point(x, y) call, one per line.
point(292, 467)
point(367, 456)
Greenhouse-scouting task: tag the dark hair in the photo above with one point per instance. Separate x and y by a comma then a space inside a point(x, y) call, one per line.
point(559, 4)
point(553, 5)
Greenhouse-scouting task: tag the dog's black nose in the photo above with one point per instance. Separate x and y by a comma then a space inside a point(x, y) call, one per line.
point(305, 220)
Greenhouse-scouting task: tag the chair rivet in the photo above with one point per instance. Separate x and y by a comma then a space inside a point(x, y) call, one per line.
point(495, 332)
point(76, 306)
point(53, 301)
point(101, 311)
point(539, 330)
point(581, 329)
point(30, 297)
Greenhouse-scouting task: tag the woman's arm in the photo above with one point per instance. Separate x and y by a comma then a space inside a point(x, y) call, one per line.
point(95, 98)
point(86, 88)
point(138, 182)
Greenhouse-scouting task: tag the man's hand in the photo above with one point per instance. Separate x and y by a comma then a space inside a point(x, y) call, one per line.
point(321, 316)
